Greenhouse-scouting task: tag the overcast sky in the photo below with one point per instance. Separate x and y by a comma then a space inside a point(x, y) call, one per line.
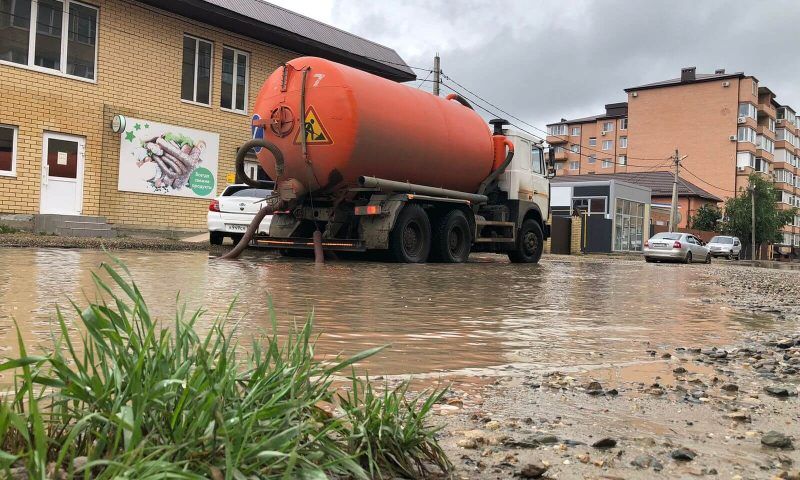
point(543, 60)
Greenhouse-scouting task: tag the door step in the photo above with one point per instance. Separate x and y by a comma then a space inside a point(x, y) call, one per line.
point(73, 225)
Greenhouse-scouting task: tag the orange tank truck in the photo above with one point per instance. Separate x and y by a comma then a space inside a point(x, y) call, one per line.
point(363, 124)
point(371, 164)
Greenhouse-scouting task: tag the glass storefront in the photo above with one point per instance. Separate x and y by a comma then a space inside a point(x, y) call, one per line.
point(628, 226)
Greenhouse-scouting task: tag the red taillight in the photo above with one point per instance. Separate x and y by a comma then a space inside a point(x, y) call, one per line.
point(214, 206)
point(677, 244)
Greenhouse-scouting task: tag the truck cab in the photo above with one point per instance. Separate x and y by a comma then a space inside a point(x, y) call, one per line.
point(527, 178)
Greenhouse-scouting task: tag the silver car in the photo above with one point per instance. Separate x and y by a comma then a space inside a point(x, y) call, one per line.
point(723, 246)
point(676, 247)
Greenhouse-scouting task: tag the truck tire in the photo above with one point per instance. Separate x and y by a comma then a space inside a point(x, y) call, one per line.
point(530, 243)
point(215, 238)
point(410, 240)
point(452, 240)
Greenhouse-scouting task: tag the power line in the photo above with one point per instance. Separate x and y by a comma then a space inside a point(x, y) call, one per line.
point(709, 184)
point(424, 79)
point(566, 139)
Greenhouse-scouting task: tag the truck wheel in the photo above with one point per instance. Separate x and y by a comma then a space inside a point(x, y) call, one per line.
point(215, 238)
point(410, 240)
point(452, 240)
point(530, 242)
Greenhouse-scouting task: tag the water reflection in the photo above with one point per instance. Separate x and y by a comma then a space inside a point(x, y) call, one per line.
point(436, 317)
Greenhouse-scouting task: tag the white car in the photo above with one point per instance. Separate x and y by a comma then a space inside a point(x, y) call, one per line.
point(230, 214)
point(723, 246)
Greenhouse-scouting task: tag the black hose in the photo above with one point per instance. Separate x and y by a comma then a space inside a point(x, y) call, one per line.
point(251, 231)
point(242, 153)
point(458, 98)
point(493, 176)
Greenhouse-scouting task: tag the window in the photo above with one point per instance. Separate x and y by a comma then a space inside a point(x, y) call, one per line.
point(745, 159)
point(559, 165)
point(628, 225)
point(607, 144)
point(45, 49)
point(765, 143)
point(575, 148)
point(622, 160)
point(592, 141)
point(196, 79)
point(623, 142)
point(762, 165)
point(746, 134)
point(559, 149)
point(608, 126)
point(606, 163)
point(771, 124)
point(592, 158)
point(623, 123)
point(576, 131)
point(748, 110)
point(557, 130)
point(536, 160)
point(574, 165)
point(589, 205)
point(8, 150)
point(234, 80)
point(755, 88)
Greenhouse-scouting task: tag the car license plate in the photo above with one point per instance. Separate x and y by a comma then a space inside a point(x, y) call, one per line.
point(235, 228)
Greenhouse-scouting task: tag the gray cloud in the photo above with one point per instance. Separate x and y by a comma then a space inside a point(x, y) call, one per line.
point(543, 60)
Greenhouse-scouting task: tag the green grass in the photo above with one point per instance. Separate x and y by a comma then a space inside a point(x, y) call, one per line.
point(134, 400)
point(7, 229)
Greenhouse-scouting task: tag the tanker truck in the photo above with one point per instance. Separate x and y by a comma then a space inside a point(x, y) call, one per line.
point(361, 163)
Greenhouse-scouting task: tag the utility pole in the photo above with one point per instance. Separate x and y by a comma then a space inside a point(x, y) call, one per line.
point(436, 74)
point(673, 213)
point(752, 189)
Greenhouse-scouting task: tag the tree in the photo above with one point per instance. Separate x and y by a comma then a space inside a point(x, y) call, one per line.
point(706, 218)
point(770, 218)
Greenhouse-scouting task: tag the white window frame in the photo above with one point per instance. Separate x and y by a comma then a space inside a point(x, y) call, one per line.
point(575, 131)
point(622, 160)
point(592, 141)
point(591, 159)
point(236, 53)
point(608, 144)
point(608, 124)
point(606, 163)
point(196, 66)
point(573, 163)
point(749, 137)
point(557, 130)
point(752, 111)
point(623, 123)
point(14, 149)
point(62, 71)
point(575, 148)
point(623, 142)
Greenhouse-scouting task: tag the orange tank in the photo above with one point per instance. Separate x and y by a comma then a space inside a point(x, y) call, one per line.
point(359, 124)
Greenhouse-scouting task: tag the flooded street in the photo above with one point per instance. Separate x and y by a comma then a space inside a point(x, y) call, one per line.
point(473, 318)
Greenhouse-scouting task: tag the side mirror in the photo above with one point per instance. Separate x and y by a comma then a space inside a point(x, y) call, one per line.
point(551, 162)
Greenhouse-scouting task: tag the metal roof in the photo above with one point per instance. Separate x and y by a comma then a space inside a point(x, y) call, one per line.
point(281, 27)
point(700, 77)
point(660, 183)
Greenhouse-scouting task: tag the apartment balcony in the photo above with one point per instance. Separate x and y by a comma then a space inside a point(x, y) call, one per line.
point(780, 123)
point(766, 155)
point(785, 145)
point(557, 139)
point(766, 106)
point(764, 130)
point(561, 155)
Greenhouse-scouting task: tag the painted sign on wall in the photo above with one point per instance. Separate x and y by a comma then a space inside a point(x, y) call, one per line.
point(168, 160)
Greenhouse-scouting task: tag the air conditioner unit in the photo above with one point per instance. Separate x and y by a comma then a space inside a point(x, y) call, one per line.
point(780, 121)
point(741, 120)
point(726, 84)
point(635, 94)
point(741, 169)
point(732, 138)
point(603, 132)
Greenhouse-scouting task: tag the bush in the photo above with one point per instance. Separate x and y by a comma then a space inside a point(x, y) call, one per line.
point(134, 400)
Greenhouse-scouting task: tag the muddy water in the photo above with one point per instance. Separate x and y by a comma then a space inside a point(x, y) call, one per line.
point(477, 317)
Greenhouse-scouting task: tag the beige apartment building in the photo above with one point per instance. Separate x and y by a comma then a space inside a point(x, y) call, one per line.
point(187, 71)
point(727, 125)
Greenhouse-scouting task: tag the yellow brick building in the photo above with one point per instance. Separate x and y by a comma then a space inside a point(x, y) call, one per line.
point(62, 83)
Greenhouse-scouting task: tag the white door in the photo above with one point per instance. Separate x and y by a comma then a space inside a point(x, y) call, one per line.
point(62, 174)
